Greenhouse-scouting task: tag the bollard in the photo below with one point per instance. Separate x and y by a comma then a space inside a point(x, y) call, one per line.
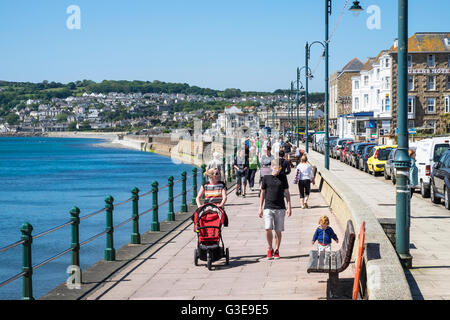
point(110, 252)
point(75, 218)
point(155, 221)
point(194, 184)
point(183, 192)
point(27, 267)
point(171, 214)
point(135, 235)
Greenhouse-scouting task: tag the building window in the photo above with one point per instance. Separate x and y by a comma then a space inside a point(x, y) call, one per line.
point(411, 105)
point(448, 83)
point(430, 60)
point(356, 103)
point(410, 124)
point(378, 74)
point(431, 83)
point(388, 104)
point(410, 83)
point(431, 105)
point(356, 84)
point(447, 104)
point(387, 61)
point(388, 83)
point(366, 81)
point(366, 100)
point(378, 97)
point(409, 61)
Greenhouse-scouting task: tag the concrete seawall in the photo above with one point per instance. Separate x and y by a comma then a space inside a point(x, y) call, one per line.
point(382, 275)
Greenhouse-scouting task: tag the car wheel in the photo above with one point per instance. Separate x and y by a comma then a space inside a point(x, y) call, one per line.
point(434, 199)
point(447, 202)
point(394, 179)
point(424, 191)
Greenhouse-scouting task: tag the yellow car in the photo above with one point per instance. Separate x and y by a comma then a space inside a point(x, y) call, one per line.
point(377, 158)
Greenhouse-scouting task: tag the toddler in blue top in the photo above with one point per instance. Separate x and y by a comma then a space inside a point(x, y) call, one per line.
point(324, 235)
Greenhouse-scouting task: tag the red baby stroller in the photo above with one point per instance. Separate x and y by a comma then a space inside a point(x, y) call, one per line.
point(209, 220)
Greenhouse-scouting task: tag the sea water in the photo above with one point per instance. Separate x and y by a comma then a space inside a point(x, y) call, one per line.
point(42, 179)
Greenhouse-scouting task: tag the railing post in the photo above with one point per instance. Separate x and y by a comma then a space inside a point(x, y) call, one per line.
point(183, 192)
point(203, 178)
point(27, 267)
point(135, 235)
point(110, 252)
point(194, 184)
point(155, 221)
point(75, 218)
point(171, 214)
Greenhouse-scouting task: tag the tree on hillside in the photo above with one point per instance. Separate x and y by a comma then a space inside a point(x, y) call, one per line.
point(12, 119)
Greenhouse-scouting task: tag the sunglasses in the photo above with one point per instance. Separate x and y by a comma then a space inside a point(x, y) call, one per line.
point(216, 174)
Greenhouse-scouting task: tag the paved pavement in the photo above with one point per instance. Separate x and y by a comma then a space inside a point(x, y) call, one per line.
point(167, 271)
point(429, 278)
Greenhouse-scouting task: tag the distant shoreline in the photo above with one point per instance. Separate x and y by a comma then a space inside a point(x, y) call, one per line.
point(111, 138)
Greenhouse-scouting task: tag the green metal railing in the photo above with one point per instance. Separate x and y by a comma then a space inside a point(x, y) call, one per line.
point(110, 253)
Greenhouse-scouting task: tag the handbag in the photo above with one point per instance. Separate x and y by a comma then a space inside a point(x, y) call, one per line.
point(297, 177)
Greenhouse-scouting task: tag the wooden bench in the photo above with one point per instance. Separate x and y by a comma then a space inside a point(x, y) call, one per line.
point(333, 262)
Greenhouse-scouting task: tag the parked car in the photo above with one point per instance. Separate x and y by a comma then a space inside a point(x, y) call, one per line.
point(316, 138)
point(377, 159)
point(364, 156)
point(440, 180)
point(352, 153)
point(389, 167)
point(344, 150)
point(348, 151)
point(336, 151)
point(331, 142)
point(428, 152)
point(358, 154)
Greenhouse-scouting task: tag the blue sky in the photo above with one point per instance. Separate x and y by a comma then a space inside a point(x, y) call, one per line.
point(246, 44)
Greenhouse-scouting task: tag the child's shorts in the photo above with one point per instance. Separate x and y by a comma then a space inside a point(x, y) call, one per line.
point(321, 248)
point(274, 219)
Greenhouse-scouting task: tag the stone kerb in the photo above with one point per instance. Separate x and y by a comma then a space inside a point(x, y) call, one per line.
point(384, 273)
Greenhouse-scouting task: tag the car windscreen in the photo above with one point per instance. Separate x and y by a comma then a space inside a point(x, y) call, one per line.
point(383, 154)
point(439, 150)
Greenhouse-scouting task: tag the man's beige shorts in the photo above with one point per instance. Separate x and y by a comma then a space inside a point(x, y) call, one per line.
point(274, 219)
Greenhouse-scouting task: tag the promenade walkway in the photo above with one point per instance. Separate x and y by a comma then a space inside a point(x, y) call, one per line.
point(167, 270)
point(429, 278)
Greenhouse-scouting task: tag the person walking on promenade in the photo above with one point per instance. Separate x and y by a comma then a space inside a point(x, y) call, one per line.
point(216, 162)
point(274, 189)
point(253, 166)
point(258, 146)
point(265, 161)
point(413, 172)
point(214, 189)
point(324, 235)
point(303, 178)
point(241, 166)
point(285, 165)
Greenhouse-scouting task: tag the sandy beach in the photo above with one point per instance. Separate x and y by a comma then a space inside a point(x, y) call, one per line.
point(111, 138)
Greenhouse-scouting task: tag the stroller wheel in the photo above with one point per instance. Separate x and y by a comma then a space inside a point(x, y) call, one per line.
point(196, 257)
point(227, 256)
point(209, 260)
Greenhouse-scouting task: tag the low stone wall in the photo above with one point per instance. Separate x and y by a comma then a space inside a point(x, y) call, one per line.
point(383, 277)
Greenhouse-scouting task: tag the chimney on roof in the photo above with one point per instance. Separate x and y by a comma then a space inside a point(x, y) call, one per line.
point(395, 43)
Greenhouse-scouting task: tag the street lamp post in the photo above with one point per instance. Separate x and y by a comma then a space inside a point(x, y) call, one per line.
point(292, 111)
point(402, 159)
point(297, 105)
point(308, 74)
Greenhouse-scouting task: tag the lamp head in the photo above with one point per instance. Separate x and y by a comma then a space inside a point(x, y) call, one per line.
point(356, 8)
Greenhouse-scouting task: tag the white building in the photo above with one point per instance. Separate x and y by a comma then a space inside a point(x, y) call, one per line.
point(234, 120)
point(371, 100)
